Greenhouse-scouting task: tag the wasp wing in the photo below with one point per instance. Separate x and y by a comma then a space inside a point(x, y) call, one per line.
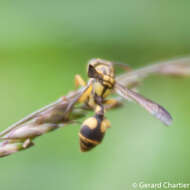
point(153, 108)
point(71, 99)
point(175, 67)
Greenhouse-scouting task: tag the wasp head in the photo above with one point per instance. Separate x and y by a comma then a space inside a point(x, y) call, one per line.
point(102, 71)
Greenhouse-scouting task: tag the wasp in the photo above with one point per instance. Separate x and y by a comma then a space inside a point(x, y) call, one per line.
point(103, 83)
point(92, 95)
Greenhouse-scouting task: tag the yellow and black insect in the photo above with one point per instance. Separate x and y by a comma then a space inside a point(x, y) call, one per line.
point(92, 95)
point(93, 130)
point(103, 83)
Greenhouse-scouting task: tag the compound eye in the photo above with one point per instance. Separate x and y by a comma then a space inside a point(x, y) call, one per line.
point(92, 73)
point(92, 63)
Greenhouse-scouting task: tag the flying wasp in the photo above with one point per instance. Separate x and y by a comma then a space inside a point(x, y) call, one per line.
point(92, 95)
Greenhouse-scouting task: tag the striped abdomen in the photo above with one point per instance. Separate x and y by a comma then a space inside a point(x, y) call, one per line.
point(92, 132)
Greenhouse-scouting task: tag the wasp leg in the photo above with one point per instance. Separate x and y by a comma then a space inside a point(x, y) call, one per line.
point(112, 103)
point(85, 96)
point(79, 81)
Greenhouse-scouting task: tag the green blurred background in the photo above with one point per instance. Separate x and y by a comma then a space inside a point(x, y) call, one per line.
point(43, 44)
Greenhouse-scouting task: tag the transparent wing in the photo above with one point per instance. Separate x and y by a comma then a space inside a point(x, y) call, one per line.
point(71, 99)
point(153, 108)
point(175, 67)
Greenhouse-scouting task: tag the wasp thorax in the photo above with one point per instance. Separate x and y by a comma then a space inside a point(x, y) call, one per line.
point(93, 130)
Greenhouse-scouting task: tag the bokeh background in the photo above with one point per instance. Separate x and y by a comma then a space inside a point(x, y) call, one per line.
point(43, 44)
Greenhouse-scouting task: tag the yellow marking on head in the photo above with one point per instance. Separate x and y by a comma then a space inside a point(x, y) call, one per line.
point(104, 125)
point(91, 123)
point(103, 69)
point(84, 96)
point(109, 81)
point(112, 80)
point(107, 78)
point(88, 140)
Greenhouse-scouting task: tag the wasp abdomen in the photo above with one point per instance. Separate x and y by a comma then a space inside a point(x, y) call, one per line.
point(92, 132)
point(86, 144)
